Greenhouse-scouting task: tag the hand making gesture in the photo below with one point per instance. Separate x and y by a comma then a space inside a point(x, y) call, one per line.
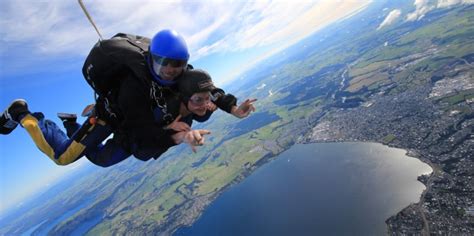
point(244, 109)
point(178, 126)
point(193, 138)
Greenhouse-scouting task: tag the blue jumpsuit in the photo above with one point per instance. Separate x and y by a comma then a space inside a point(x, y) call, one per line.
point(64, 150)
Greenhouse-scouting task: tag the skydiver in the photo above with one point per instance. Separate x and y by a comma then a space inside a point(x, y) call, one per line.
point(145, 123)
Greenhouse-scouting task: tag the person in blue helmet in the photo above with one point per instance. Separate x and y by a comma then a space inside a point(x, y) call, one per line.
point(140, 110)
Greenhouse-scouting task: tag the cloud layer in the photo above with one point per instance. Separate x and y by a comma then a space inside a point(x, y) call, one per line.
point(421, 8)
point(391, 17)
point(56, 26)
point(60, 27)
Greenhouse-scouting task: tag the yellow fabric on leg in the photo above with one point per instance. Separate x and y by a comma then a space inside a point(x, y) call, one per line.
point(71, 153)
point(30, 123)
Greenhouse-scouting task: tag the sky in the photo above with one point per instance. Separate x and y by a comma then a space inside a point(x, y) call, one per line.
point(43, 45)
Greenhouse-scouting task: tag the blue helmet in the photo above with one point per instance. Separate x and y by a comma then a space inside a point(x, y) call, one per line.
point(170, 44)
point(167, 48)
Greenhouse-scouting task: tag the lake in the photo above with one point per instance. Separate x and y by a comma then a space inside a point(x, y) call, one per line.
point(317, 189)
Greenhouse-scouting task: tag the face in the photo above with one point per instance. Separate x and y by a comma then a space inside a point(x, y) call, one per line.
point(197, 104)
point(167, 72)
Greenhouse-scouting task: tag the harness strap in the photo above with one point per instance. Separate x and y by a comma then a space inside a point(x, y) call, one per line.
point(156, 94)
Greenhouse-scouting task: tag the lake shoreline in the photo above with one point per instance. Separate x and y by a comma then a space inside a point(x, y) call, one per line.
point(409, 153)
point(269, 157)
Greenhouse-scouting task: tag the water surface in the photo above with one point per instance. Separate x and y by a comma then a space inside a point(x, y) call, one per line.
point(324, 189)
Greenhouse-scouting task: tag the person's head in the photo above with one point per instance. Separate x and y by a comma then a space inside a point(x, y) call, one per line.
point(168, 56)
point(195, 88)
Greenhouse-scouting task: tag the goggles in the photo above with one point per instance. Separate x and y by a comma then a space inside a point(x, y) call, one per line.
point(164, 61)
point(200, 100)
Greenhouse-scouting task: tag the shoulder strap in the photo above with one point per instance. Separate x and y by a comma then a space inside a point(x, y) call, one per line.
point(158, 100)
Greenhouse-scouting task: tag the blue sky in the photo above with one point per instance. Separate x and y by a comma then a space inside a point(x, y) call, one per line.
point(43, 45)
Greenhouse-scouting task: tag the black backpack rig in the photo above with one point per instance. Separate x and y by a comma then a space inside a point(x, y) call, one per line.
point(108, 63)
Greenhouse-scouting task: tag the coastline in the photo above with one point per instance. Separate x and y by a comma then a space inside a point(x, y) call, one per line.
point(413, 153)
point(269, 158)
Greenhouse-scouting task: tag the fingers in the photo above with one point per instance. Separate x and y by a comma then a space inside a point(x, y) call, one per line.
point(211, 106)
point(247, 104)
point(203, 131)
point(189, 139)
point(250, 101)
point(196, 138)
point(252, 108)
point(177, 118)
point(245, 109)
point(199, 136)
point(192, 145)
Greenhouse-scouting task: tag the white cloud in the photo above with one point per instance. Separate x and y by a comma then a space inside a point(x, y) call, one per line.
point(254, 24)
point(52, 27)
point(421, 8)
point(42, 26)
point(56, 29)
point(60, 27)
point(391, 17)
point(318, 16)
point(448, 3)
point(424, 6)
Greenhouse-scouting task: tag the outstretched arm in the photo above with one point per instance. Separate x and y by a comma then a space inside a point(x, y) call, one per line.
point(228, 103)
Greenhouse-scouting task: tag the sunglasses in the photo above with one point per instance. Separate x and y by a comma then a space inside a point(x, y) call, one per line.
point(163, 61)
point(199, 101)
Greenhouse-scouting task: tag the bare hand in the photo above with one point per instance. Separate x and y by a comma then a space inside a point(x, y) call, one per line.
point(244, 109)
point(178, 126)
point(195, 138)
point(211, 106)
